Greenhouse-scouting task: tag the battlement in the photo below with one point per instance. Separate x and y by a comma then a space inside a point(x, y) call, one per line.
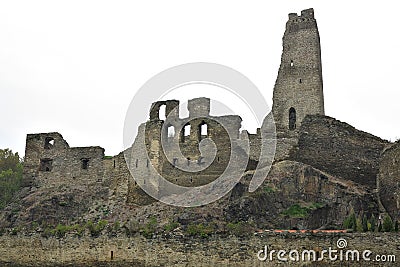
point(305, 21)
point(305, 14)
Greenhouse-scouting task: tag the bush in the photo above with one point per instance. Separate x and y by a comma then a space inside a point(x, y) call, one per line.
point(200, 230)
point(350, 222)
point(171, 226)
point(95, 229)
point(239, 228)
point(297, 211)
point(372, 221)
point(61, 230)
point(365, 223)
point(150, 228)
point(387, 224)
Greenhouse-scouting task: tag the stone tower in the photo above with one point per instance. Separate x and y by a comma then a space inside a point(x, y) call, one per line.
point(298, 88)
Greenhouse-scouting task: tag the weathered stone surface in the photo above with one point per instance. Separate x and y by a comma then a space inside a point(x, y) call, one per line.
point(339, 149)
point(292, 183)
point(389, 180)
point(298, 88)
point(184, 251)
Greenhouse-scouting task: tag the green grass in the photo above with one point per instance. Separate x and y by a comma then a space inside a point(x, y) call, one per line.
point(298, 211)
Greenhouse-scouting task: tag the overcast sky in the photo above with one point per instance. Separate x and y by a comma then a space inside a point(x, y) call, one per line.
point(74, 66)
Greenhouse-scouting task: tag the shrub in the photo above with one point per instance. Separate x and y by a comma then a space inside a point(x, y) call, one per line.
point(171, 226)
point(61, 230)
point(297, 211)
point(387, 224)
point(372, 221)
point(95, 229)
point(239, 228)
point(350, 222)
point(150, 228)
point(200, 230)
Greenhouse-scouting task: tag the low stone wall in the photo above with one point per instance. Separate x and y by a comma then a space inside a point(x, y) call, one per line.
point(185, 251)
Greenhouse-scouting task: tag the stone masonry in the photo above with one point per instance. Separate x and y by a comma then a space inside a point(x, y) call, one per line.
point(304, 134)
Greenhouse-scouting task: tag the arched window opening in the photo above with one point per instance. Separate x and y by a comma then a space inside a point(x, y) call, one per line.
point(162, 112)
point(46, 165)
point(188, 161)
point(291, 63)
point(292, 119)
point(300, 81)
point(186, 132)
point(203, 130)
point(171, 131)
point(48, 142)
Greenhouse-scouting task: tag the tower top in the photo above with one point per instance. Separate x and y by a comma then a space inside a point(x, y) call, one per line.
point(305, 21)
point(306, 13)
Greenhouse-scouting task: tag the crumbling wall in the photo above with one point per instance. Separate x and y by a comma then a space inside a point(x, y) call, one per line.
point(49, 161)
point(339, 149)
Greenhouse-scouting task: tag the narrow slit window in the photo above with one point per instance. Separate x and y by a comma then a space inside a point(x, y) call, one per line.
point(291, 63)
point(136, 163)
point(85, 164)
point(292, 119)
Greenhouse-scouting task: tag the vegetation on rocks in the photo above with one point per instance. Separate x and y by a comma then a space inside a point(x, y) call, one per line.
point(10, 176)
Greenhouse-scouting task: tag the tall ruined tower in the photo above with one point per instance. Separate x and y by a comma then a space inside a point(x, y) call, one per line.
point(298, 88)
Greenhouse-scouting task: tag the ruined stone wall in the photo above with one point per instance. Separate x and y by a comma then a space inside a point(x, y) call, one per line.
point(339, 149)
point(49, 161)
point(186, 145)
point(186, 251)
point(298, 88)
point(389, 180)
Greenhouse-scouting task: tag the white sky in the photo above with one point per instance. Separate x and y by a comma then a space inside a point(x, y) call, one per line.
point(74, 66)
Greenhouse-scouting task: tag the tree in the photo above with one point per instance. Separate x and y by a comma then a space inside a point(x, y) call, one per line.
point(350, 222)
point(372, 221)
point(364, 223)
point(359, 226)
point(10, 175)
point(387, 224)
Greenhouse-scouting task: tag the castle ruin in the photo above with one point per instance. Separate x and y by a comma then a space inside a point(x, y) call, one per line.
point(304, 134)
